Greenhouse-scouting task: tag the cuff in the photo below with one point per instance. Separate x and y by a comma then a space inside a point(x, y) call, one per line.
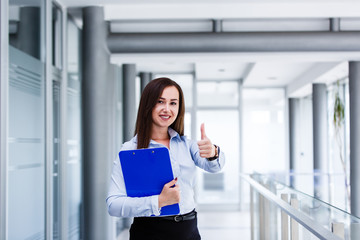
point(155, 205)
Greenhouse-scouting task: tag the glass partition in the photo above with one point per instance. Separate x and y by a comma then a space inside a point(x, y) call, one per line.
point(26, 31)
point(26, 159)
point(74, 155)
point(264, 130)
point(339, 147)
point(323, 213)
point(56, 161)
point(223, 130)
point(26, 199)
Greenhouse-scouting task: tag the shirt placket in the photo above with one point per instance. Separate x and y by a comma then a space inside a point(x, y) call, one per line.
point(174, 163)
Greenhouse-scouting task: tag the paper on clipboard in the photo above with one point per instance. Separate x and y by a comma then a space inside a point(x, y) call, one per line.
point(145, 172)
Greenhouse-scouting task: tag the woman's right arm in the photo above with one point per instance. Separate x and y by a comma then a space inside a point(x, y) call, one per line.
point(120, 205)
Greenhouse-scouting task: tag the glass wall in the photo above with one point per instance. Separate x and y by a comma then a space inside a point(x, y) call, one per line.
point(26, 162)
point(28, 194)
point(223, 130)
point(56, 159)
point(264, 130)
point(339, 147)
point(264, 147)
point(304, 162)
point(218, 108)
point(74, 155)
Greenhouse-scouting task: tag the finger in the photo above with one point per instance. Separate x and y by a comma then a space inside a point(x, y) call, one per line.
point(205, 151)
point(203, 142)
point(206, 145)
point(207, 148)
point(202, 130)
point(173, 182)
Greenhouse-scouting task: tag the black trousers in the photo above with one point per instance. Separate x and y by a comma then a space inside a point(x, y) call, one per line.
point(155, 228)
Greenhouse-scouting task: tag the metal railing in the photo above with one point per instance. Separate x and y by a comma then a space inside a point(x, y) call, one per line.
point(280, 212)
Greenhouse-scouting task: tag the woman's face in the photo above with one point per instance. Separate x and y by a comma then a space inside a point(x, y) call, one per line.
point(166, 110)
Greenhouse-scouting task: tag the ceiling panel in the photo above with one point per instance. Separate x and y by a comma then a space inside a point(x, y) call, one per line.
point(276, 74)
point(220, 71)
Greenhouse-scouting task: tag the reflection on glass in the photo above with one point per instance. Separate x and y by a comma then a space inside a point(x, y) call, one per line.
point(56, 161)
point(25, 26)
point(56, 36)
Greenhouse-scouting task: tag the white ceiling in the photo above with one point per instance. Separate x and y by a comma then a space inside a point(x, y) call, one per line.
point(295, 71)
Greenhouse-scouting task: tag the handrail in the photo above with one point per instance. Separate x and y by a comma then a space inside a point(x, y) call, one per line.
point(311, 225)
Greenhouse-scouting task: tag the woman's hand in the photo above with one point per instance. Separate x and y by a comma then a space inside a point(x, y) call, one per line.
point(170, 194)
point(207, 149)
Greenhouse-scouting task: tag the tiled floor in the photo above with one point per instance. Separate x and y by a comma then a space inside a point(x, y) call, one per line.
point(218, 225)
point(224, 225)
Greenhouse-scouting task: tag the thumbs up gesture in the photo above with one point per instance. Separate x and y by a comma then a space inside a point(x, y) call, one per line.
point(207, 149)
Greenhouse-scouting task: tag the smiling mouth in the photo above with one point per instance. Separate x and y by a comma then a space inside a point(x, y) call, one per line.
point(165, 117)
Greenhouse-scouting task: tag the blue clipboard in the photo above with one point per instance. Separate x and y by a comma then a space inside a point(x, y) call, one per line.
point(145, 172)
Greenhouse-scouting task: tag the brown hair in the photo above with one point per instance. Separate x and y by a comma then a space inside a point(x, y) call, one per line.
point(149, 98)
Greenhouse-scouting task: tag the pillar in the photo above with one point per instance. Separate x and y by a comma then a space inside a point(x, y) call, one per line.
point(145, 78)
point(335, 24)
point(129, 100)
point(292, 138)
point(98, 106)
point(354, 88)
point(320, 140)
point(217, 25)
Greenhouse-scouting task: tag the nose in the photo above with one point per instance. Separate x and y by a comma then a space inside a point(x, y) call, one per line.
point(166, 107)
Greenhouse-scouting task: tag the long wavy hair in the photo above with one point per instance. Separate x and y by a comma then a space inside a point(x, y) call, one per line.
point(149, 98)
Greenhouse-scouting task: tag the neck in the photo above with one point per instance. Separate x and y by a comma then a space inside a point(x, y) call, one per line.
point(159, 134)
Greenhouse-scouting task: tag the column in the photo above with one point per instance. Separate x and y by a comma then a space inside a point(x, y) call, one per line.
point(217, 25)
point(98, 107)
point(354, 88)
point(129, 100)
point(320, 140)
point(292, 138)
point(145, 78)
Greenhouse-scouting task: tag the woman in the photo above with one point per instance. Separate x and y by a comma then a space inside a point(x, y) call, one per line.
point(160, 122)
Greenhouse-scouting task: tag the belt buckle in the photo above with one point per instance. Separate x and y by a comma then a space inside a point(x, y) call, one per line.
point(178, 218)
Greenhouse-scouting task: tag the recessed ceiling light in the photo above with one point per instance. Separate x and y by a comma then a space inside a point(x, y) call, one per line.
point(272, 78)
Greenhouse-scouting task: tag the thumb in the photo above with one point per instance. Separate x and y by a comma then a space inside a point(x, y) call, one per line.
point(202, 129)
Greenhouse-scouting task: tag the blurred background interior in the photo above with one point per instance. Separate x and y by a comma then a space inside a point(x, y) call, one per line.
point(277, 84)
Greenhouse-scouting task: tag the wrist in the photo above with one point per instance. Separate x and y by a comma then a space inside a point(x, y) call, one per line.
point(217, 153)
point(160, 202)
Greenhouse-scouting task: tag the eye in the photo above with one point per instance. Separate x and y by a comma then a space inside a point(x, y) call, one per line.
point(174, 103)
point(160, 101)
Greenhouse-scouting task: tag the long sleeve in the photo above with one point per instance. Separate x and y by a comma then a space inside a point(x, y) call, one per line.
point(120, 205)
point(209, 166)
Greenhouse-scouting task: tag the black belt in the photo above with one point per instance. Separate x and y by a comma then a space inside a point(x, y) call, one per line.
point(179, 218)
